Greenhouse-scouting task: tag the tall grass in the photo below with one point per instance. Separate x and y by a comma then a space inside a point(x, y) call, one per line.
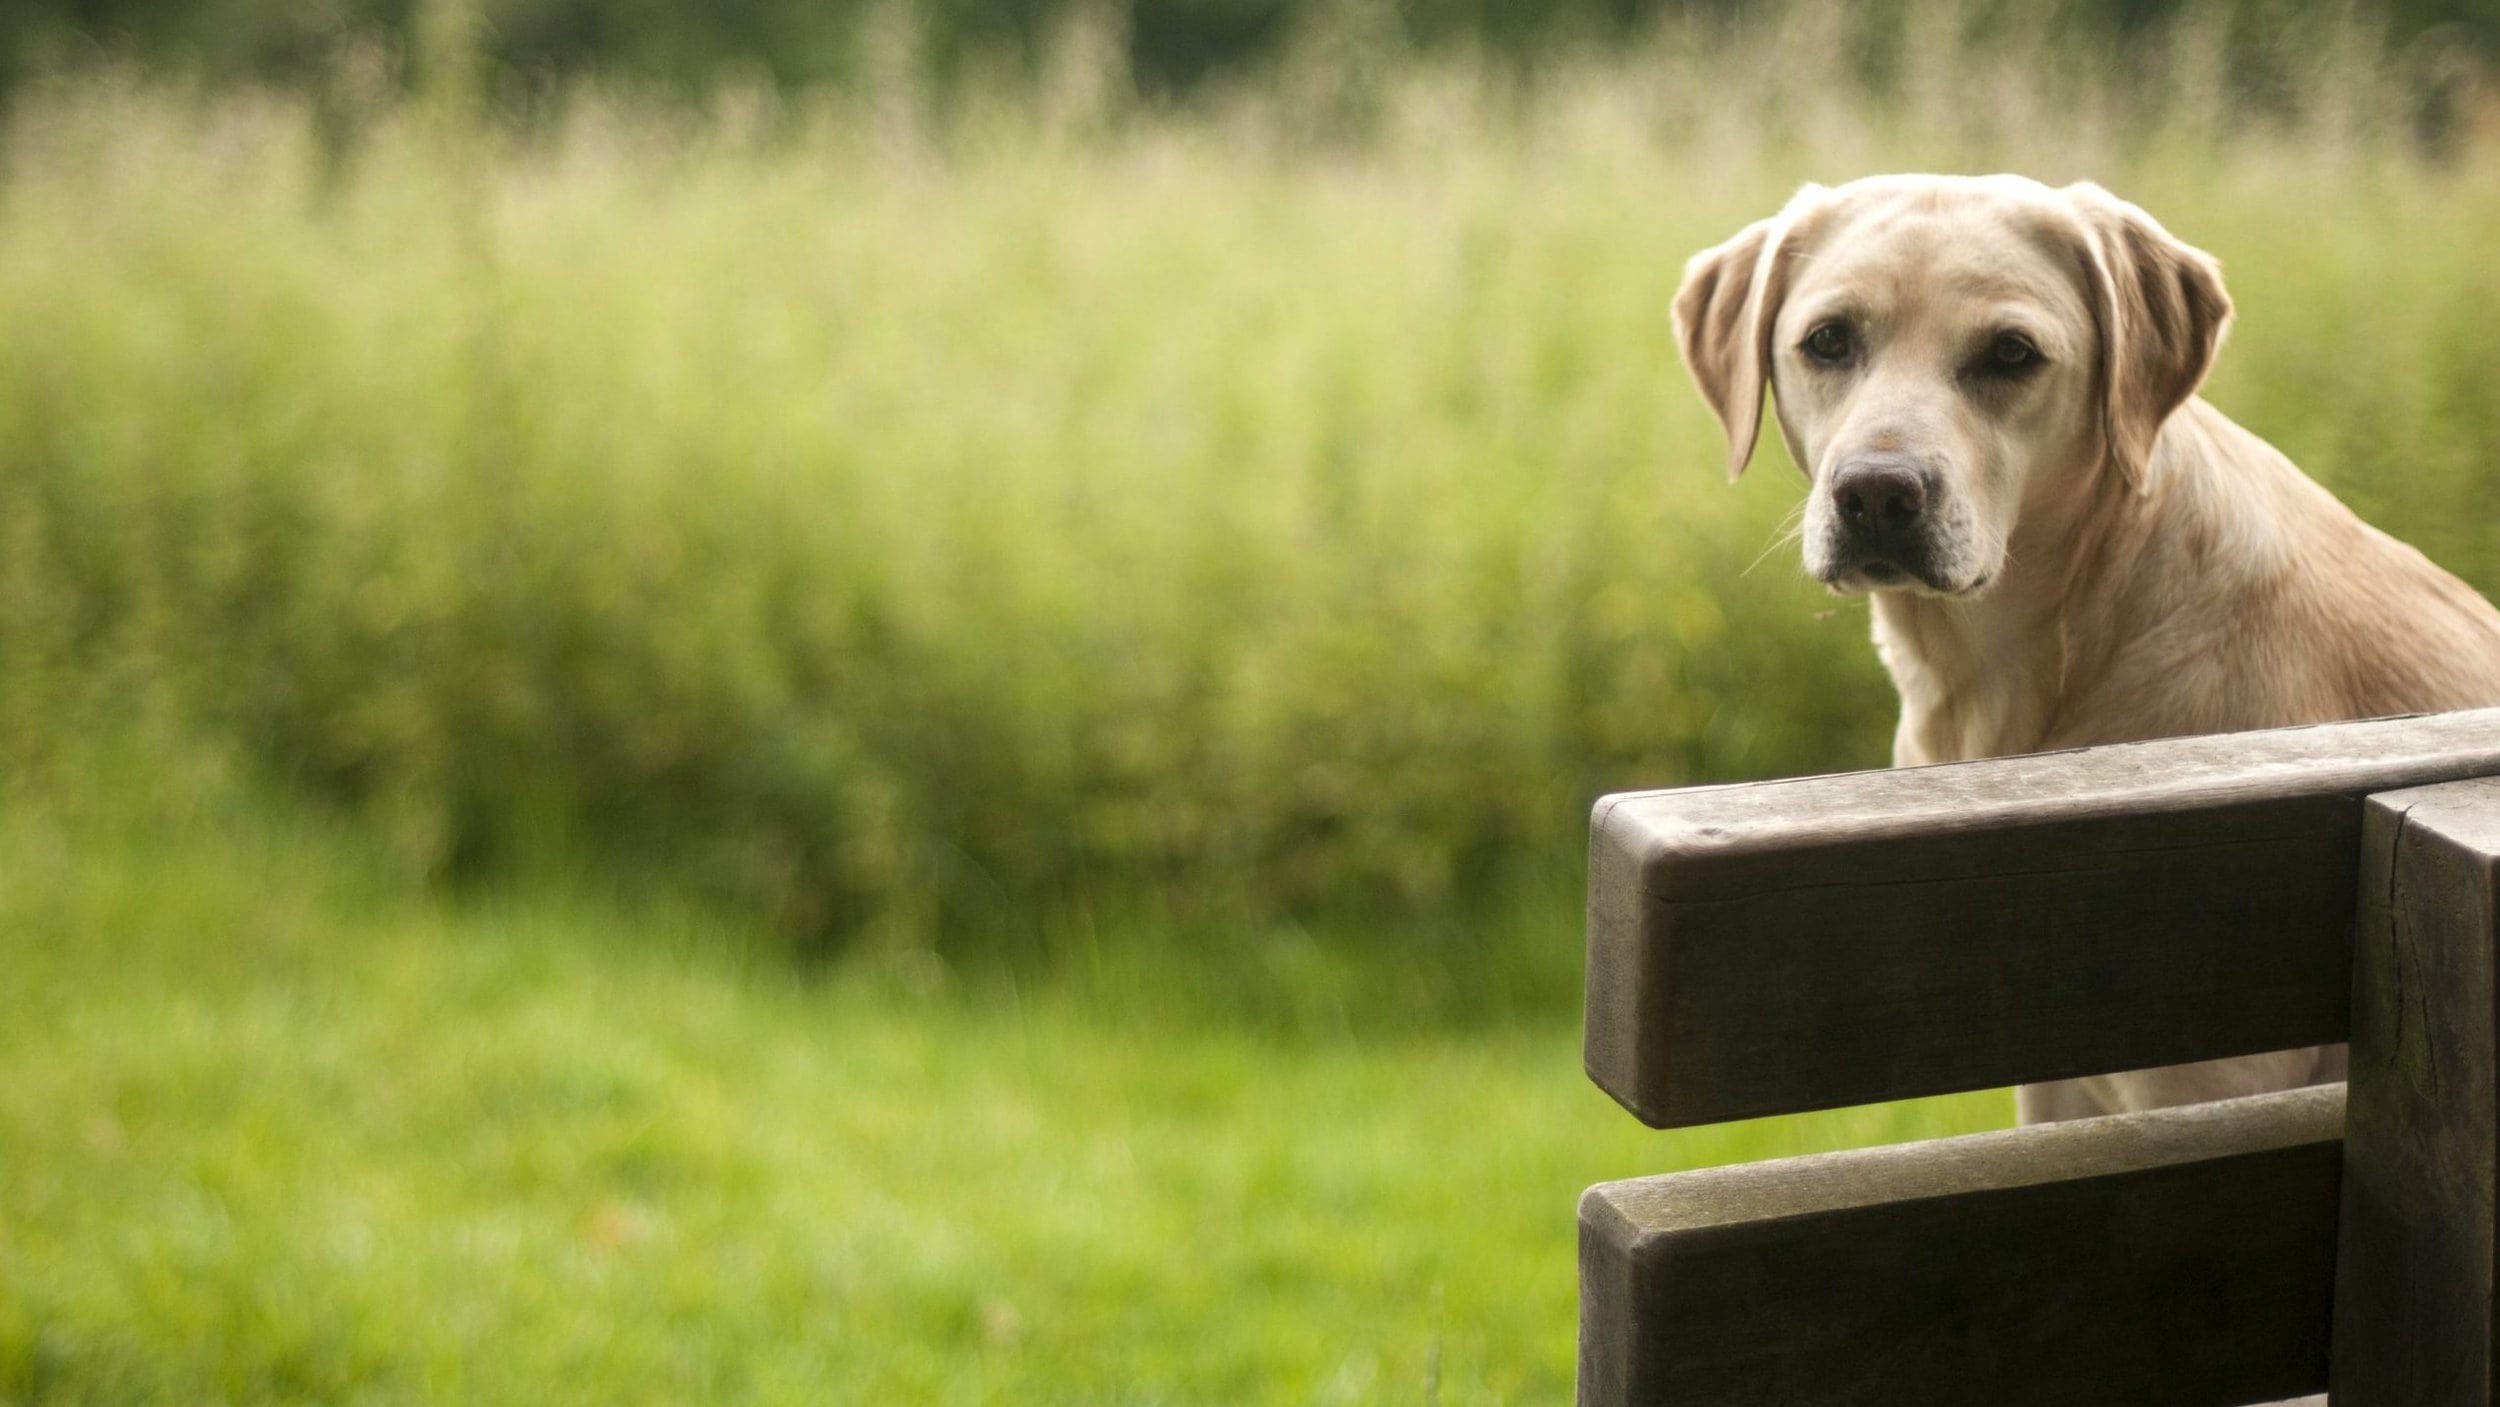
point(935, 530)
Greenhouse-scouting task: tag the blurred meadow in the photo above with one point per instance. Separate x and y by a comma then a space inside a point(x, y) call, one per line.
point(909, 740)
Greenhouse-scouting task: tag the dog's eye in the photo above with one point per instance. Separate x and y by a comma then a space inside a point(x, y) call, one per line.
point(2012, 352)
point(1829, 343)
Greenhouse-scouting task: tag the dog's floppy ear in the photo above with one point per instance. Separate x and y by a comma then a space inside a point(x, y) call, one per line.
point(2162, 313)
point(1723, 315)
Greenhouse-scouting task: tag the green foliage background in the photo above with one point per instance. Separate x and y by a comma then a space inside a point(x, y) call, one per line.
point(1163, 45)
point(942, 527)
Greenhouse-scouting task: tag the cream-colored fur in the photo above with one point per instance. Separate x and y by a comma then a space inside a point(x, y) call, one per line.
point(2100, 555)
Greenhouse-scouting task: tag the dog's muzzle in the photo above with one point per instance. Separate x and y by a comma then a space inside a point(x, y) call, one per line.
point(1883, 524)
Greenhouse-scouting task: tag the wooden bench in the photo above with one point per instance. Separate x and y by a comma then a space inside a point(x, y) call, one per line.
point(1790, 945)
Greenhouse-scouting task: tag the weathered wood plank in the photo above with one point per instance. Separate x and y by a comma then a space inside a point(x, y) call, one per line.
point(2413, 1302)
point(2177, 1257)
point(1802, 944)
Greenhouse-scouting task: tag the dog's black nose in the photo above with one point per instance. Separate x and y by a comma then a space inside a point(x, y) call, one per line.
point(1880, 495)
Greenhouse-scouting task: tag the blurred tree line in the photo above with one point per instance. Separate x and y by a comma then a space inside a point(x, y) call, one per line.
point(1171, 45)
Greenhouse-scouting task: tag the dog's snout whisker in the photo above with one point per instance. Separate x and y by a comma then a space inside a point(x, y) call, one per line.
point(1791, 528)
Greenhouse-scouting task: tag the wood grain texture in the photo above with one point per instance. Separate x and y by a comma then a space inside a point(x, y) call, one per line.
point(2182, 1256)
point(2413, 1307)
point(1779, 946)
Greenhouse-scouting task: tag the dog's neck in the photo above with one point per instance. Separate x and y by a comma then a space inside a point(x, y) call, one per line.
point(2003, 672)
point(1977, 678)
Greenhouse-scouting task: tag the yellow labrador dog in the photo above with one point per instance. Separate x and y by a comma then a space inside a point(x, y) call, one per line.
point(1991, 386)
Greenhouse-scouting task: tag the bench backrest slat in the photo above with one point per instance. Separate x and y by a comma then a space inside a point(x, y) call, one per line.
point(2184, 1256)
point(1825, 941)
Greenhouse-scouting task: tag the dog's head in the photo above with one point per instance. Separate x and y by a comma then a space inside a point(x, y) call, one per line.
point(1946, 354)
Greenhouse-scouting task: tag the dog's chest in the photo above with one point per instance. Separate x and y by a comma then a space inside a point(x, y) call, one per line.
point(1962, 697)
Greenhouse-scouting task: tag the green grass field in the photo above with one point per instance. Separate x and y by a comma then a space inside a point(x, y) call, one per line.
point(830, 751)
point(279, 1129)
